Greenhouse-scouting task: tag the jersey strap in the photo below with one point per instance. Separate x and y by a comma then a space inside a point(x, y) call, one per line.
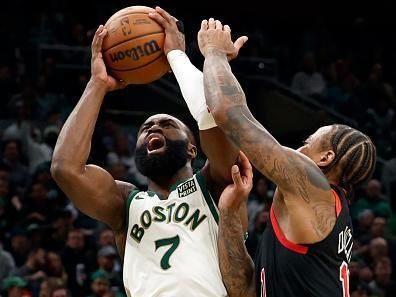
point(338, 193)
point(300, 249)
point(207, 195)
point(128, 201)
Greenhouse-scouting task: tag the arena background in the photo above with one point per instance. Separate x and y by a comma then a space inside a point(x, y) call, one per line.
point(306, 64)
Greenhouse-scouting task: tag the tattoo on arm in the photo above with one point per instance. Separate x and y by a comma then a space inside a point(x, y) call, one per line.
point(324, 217)
point(235, 264)
point(285, 167)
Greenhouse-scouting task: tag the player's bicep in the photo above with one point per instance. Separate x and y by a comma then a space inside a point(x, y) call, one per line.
point(95, 193)
point(221, 153)
point(287, 168)
point(299, 175)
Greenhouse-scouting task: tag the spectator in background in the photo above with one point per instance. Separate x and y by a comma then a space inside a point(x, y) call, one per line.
point(362, 290)
point(48, 285)
point(105, 238)
point(47, 99)
point(378, 248)
point(375, 84)
point(76, 262)
point(363, 223)
point(365, 274)
point(19, 174)
point(383, 285)
point(60, 292)
point(15, 287)
point(378, 121)
point(342, 85)
point(55, 267)
point(7, 87)
point(259, 199)
point(107, 262)
point(10, 204)
point(354, 273)
point(309, 81)
point(38, 207)
point(33, 270)
point(100, 284)
point(122, 154)
point(388, 177)
point(42, 175)
point(373, 200)
point(61, 226)
point(377, 229)
point(7, 263)
point(19, 245)
point(21, 106)
point(36, 234)
point(259, 223)
point(36, 151)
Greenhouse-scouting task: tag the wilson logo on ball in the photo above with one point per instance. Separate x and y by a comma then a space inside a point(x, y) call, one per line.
point(137, 52)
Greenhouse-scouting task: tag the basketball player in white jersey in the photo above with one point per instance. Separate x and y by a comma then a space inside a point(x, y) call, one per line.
point(166, 235)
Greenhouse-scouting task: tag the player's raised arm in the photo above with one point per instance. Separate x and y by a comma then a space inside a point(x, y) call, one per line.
point(91, 188)
point(294, 173)
point(220, 152)
point(235, 263)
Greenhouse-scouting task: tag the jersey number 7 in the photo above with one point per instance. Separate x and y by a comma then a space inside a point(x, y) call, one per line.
point(174, 243)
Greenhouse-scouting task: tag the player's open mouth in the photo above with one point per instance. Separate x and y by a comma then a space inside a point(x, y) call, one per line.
point(155, 144)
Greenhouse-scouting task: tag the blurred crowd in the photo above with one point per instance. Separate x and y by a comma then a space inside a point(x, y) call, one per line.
point(49, 249)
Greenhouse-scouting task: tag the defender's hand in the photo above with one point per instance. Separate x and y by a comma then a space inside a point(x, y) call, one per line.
point(98, 68)
point(214, 36)
point(237, 192)
point(174, 39)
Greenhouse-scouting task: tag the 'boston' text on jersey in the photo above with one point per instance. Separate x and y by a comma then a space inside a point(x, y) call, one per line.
point(172, 213)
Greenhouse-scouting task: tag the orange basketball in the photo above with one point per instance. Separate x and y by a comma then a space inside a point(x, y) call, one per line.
point(133, 48)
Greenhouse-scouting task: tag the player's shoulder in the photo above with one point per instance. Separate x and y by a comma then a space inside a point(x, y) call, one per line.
point(204, 174)
point(125, 188)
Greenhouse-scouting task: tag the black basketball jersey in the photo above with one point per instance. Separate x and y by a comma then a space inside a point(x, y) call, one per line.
point(286, 269)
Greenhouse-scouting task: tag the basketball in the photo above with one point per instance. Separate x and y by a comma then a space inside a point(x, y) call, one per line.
point(133, 48)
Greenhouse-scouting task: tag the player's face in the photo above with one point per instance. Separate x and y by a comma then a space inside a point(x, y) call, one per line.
point(157, 129)
point(314, 146)
point(162, 147)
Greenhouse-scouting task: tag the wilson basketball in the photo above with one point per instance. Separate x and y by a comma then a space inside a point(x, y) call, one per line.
point(133, 47)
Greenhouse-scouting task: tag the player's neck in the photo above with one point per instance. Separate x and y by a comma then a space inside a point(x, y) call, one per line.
point(332, 178)
point(162, 186)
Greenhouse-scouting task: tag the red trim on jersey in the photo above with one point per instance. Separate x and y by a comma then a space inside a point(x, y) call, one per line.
point(338, 205)
point(282, 238)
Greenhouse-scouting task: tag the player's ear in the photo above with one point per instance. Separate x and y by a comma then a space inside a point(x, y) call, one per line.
point(326, 158)
point(191, 151)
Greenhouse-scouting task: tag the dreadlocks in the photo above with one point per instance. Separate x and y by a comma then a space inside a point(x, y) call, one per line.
point(355, 156)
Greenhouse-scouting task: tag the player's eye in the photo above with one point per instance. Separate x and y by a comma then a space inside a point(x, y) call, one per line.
point(168, 125)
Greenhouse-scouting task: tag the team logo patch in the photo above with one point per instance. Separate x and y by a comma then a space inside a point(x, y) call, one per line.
point(186, 188)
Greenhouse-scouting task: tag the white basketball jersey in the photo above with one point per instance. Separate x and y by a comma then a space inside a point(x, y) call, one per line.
point(171, 247)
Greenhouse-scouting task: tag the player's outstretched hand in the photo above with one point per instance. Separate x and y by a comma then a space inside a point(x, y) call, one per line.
point(214, 36)
point(98, 68)
point(237, 193)
point(174, 39)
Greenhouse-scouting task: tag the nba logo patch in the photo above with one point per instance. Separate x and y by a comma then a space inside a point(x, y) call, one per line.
point(186, 188)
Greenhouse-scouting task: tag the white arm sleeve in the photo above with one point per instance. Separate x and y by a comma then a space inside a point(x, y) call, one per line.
point(190, 81)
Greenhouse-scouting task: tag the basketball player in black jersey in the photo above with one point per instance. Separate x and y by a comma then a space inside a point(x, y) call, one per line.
point(306, 247)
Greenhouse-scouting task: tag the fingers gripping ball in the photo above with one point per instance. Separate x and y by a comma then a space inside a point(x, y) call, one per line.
point(133, 47)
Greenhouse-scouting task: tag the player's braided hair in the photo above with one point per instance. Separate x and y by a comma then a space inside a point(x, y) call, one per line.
point(355, 156)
